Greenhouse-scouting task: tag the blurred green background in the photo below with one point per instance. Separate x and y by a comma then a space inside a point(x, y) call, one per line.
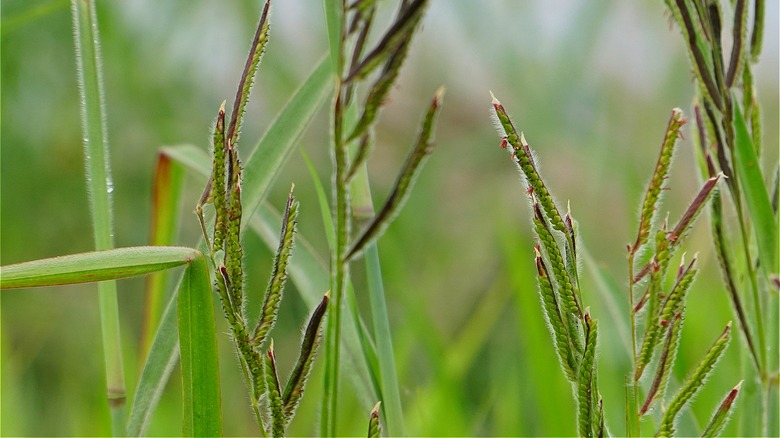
point(591, 83)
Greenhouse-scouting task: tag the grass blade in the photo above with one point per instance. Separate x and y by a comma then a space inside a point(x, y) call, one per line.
point(99, 188)
point(166, 198)
point(95, 266)
point(756, 195)
point(160, 363)
point(202, 405)
point(334, 13)
point(277, 144)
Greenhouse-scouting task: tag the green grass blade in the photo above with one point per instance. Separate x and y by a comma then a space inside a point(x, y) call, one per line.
point(756, 195)
point(334, 13)
point(166, 199)
point(385, 373)
point(95, 266)
point(322, 200)
point(201, 408)
point(391, 395)
point(277, 144)
point(160, 363)
point(99, 188)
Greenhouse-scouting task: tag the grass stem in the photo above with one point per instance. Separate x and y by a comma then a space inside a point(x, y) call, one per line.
point(99, 188)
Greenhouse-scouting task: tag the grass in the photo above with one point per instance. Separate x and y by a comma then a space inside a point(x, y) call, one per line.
point(463, 316)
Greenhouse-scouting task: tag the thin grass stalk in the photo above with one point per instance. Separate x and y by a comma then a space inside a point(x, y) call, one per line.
point(99, 188)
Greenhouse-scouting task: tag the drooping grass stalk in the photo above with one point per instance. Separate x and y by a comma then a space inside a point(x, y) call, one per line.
point(99, 189)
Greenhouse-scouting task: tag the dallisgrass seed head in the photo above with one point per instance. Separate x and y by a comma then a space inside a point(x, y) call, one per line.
point(558, 328)
point(685, 223)
point(587, 393)
point(693, 383)
point(248, 75)
point(312, 339)
point(550, 246)
point(654, 189)
point(675, 299)
point(374, 428)
point(722, 415)
point(278, 421)
point(218, 194)
point(405, 180)
point(701, 60)
point(652, 327)
point(380, 88)
point(521, 153)
point(402, 30)
point(665, 362)
point(273, 294)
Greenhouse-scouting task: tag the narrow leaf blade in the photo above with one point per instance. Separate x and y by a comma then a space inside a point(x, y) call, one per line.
point(95, 266)
point(201, 408)
point(756, 195)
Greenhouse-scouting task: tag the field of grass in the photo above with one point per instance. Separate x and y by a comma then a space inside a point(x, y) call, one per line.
point(591, 84)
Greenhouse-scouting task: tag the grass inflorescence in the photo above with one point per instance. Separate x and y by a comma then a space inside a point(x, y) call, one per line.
point(575, 331)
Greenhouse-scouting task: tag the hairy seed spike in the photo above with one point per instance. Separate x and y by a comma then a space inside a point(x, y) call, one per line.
point(694, 382)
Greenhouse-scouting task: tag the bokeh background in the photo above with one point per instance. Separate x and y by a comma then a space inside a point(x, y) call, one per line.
point(591, 83)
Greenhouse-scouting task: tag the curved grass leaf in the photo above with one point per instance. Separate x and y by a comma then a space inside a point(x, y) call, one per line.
point(202, 405)
point(277, 144)
point(160, 363)
point(94, 266)
point(756, 195)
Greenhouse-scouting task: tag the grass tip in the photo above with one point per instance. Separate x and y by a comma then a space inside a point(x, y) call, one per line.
point(493, 98)
point(222, 107)
point(375, 411)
